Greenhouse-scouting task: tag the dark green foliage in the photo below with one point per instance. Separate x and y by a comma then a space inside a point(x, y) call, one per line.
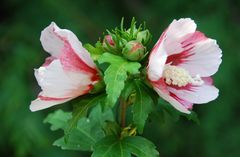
point(112, 146)
point(85, 134)
point(142, 106)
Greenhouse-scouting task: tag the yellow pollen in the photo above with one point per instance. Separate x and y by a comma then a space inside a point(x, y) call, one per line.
point(180, 77)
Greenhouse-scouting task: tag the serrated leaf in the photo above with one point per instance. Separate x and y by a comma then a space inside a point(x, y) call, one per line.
point(142, 106)
point(112, 146)
point(116, 75)
point(88, 131)
point(58, 119)
point(80, 109)
point(141, 147)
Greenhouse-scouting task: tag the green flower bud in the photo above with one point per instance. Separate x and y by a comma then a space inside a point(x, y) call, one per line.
point(134, 51)
point(144, 37)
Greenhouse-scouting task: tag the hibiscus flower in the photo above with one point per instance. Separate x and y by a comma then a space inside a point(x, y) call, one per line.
point(68, 73)
point(181, 63)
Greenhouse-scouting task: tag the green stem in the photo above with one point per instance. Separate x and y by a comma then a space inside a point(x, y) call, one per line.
point(123, 106)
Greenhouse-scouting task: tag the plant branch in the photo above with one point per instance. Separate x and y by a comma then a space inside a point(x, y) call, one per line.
point(123, 106)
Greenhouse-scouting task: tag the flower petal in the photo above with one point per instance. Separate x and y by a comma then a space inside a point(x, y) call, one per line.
point(205, 60)
point(175, 103)
point(168, 44)
point(157, 60)
point(196, 94)
point(56, 41)
point(162, 89)
point(40, 104)
point(175, 33)
point(55, 82)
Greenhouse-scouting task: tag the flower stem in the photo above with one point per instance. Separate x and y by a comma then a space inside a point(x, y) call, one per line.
point(123, 113)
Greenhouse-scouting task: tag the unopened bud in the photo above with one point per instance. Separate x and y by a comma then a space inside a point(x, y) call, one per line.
point(144, 37)
point(134, 51)
point(108, 41)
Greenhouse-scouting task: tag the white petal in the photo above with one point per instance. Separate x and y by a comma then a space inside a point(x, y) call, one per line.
point(157, 60)
point(172, 101)
point(175, 32)
point(39, 104)
point(197, 95)
point(55, 82)
point(169, 43)
point(206, 59)
point(54, 40)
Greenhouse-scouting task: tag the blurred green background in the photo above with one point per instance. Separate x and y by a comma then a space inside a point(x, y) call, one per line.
point(23, 134)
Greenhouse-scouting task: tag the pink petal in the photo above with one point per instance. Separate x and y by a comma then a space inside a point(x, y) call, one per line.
point(64, 44)
point(196, 94)
point(59, 85)
point(168, 44)
point(176, 31)
point(175, 103)
point(185, 51)
point(206, 58)
point(186, 104)
point(161, 88)
point(208, 80)
point(157, 60)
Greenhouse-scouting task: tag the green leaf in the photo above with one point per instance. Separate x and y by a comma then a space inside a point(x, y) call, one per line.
point(80, 109)
point(192, 116)
point(141, 147)
point(128, 90)
point(112, 146)
point(58, 119)
point(142, 106)
point(175, 114)
point(88, 131)
point(96, 51)
point(112, 128)
point(116, 75)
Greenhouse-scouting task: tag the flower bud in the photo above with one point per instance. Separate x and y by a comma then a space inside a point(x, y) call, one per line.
point(144, 37)
point(108, 41)
point(134, 51)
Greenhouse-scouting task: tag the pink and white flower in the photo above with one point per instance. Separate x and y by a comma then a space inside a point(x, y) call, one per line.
point(181, 63)
point(68, 73)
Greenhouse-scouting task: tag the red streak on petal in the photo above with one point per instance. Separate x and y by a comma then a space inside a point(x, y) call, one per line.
point(179, 58)
point(160, 84)
point(188, 44)
point(193, 38)
point(50, 98)
point(188, 87)
point(188, 105)
point(70, 60)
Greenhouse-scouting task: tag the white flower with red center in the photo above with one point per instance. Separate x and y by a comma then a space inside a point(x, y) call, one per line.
point(181, 63)
point(68, 73)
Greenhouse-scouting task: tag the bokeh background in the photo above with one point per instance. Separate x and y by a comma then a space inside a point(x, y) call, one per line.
point(23, 134)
